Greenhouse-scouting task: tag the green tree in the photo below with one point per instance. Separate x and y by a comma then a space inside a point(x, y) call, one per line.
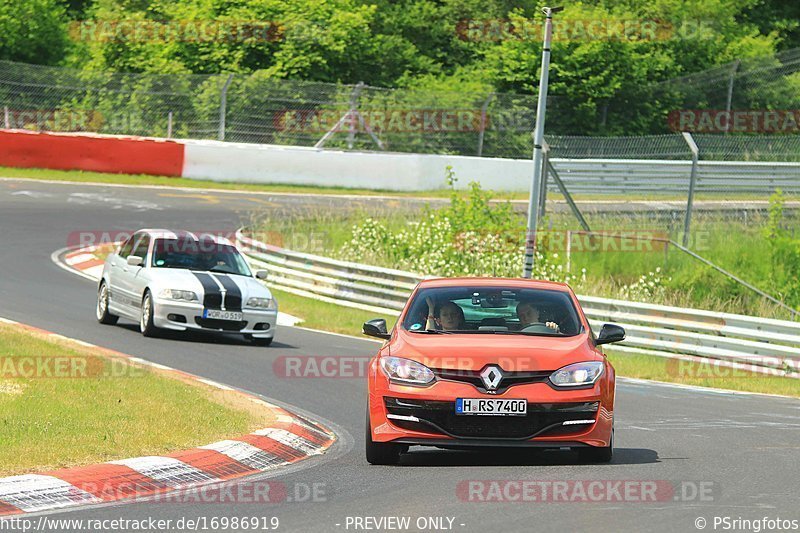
point(33, 31)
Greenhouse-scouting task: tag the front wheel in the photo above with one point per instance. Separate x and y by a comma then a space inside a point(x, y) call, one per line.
point(597, 454)
point(101, 309)
point(259, 341)
point(146, 321)
point(381, 453)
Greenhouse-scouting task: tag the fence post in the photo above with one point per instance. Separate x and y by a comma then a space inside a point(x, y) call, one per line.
point(223, 104)
point(353, 114)
point(484, 107)
point(729, 101)
point(6, 118)
point(169, 125)
point(687, 222)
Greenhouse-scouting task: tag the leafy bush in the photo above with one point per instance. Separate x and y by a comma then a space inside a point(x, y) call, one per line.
point(470, 237)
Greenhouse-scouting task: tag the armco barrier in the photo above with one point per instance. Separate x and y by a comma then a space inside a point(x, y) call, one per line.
point(295, 165)
point(651, 329)
point(97, 153)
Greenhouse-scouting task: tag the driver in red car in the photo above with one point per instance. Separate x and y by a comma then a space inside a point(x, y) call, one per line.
point(450, 316)
point(528, 314)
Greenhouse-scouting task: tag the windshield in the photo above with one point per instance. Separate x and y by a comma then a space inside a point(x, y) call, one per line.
point(492, 310)
point(204, 255)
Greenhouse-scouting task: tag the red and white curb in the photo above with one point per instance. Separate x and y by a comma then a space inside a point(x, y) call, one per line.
point(292, 438)
point(87, 263)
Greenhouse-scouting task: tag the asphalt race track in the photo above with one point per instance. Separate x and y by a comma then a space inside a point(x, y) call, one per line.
point(742, 448)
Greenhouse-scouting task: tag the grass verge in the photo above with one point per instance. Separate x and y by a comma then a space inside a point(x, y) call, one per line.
point(79, 406)
point(700, 374)
point(326, 316)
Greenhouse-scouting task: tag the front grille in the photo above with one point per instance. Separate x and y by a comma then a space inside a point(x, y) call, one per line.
point(224, 325)
point(509, 378)
point(541, 419)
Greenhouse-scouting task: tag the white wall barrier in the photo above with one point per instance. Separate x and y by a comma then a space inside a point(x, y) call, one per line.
point(263, 163)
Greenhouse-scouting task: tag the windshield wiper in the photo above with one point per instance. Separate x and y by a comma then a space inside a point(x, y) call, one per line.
point(434, 331)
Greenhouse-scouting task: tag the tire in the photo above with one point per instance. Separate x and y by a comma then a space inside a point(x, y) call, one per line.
point(146, 321)
point(101, 308)
point(259, 341)
point(381, 453)
point(598, 454)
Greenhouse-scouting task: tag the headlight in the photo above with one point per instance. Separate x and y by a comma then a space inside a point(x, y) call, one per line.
point(175, 294)
point(577, 374)
point(406, 370)
point(263, 303)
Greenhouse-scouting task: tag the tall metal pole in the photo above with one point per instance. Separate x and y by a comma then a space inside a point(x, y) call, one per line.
point(538, 140)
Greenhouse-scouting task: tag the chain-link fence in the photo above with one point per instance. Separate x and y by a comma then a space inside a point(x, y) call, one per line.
point(255, 108)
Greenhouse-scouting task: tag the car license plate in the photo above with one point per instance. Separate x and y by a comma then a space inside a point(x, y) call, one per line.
point(222, 315)
point(491, 407)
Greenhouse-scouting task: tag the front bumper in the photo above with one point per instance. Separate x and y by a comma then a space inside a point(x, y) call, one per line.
point(426, 415)
point(180, 316)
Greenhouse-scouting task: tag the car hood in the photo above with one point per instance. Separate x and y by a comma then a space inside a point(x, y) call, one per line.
point(183, 279)
point(511, 352)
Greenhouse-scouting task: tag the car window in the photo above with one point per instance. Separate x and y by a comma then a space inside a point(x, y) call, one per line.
point(199, 255)
point(141, 247)
point(493, 309)
point(126, 249)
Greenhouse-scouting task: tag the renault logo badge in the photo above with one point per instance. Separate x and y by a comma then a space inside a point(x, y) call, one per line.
point(491, 377)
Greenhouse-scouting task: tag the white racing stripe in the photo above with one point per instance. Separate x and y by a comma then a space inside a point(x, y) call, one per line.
point(245, 453)
point(34, 492)
point(167, 470)
point(290, 439)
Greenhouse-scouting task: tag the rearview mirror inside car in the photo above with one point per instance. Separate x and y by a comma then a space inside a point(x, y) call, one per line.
point(610, 333)
point(135, 260)
point(376, 328)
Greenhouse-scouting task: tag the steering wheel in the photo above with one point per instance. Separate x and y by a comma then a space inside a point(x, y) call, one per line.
point(537, 327)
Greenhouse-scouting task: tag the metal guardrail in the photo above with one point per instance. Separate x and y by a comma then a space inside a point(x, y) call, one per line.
point(651, 329)
point(663, 176)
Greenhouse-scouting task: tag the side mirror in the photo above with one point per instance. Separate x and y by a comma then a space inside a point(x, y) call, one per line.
point(261, 274)
point(135, 260)
point(610, 333)
point(376, 328)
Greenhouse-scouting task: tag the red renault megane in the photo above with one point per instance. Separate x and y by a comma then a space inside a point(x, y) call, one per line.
point(490, 362)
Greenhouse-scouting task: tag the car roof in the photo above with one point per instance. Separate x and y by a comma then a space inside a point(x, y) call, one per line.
point(521, 283)
point(182, 234)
